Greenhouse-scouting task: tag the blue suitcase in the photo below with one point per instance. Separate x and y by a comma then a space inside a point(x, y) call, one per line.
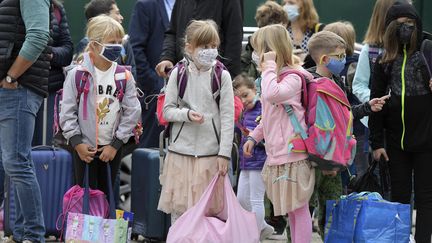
point(54, 172)
point(148, 221)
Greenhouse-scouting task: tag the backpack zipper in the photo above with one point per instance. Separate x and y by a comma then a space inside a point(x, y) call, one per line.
point(403, 97)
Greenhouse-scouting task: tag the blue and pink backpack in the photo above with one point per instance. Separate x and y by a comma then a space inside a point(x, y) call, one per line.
point(82, 85)
point(328, 139)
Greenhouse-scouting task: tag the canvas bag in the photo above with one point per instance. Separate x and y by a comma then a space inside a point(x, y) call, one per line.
point(199, 224)
point(82, 227)
point(366, 217)
point(328, 139)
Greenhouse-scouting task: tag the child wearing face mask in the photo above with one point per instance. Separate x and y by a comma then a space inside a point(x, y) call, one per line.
point(328, 50)
point(289, 177)
point(405, 123)
point(202, 128)
point(97, 123)
point(251, 188)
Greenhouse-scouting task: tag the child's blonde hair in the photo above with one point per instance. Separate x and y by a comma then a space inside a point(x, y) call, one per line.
point(202, 32)
point(270, 13)
point(324, 43)
point(102, 27)
point(375, 32)
point(275, 38)
point(345, 30)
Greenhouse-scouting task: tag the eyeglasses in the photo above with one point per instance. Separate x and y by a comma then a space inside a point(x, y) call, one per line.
point(339, 56)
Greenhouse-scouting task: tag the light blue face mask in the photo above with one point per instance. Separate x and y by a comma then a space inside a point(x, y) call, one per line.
point(336, 66)
point(292, 10)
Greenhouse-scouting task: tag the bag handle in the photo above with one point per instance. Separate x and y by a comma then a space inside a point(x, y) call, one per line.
point(86, 199)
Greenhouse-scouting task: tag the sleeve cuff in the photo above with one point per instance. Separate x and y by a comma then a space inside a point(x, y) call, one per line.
point(224, 157)
point(117, 143)
point(75, 140)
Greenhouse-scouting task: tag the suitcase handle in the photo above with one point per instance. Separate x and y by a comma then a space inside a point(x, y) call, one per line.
point(45, 147)
point(86, 199)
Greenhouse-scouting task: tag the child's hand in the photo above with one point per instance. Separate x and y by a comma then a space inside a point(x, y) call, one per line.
point(378, 103)
point(85, 152)
point(196, 117)
point(108, 153)
point(377, 153)
point(222, 165)
point(270, 56)
point(248, 148)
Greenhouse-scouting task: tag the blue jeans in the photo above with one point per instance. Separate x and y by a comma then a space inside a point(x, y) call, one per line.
point(18, 110)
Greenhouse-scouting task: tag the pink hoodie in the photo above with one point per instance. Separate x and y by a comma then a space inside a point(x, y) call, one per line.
point(275, 126)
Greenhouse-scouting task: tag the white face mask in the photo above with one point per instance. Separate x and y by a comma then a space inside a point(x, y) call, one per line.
point(292, 11)
point(206, 57)
point(256, 58)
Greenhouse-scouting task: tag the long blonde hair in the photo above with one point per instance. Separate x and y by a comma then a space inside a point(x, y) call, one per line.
point(275, 38)
point(375, 32)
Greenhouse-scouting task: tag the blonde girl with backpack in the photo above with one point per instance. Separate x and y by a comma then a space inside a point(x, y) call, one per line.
point(96, 117)
point(201, 127)
point(289, 177)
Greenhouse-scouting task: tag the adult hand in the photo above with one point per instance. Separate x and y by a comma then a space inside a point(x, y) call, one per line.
point(248, 148)
point(108, 153)
point(222, 165)
point(196, 117)
point(85, 152)
point(377, 153)
point(378, 103)
point(6, 85)
point(162, 67)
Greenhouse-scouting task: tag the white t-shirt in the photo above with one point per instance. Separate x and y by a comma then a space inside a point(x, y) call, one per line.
point(108, 106)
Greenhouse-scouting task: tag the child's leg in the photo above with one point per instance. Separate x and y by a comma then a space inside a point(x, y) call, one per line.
point(301, 225)
point(79, 171)
point(103, 178)
point(330, 188)
point(243, 190)
point(257, 190)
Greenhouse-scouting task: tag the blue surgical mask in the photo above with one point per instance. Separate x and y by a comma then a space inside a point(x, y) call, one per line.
point(336, 66)
point(292, 10)
point(110, 52)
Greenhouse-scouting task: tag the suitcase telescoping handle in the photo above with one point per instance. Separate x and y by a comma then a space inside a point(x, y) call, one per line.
point(86, 199)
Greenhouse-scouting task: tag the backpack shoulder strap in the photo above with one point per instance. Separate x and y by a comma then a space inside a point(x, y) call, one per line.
point(121, 76)
point(181, 78)
point(304, 80)
point(83, 86)
point(217, 80)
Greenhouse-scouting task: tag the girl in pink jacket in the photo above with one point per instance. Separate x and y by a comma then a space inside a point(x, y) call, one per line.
point(289, 177)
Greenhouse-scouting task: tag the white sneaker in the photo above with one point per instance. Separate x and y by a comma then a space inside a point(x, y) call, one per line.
point(412, 239)
point(266, 232)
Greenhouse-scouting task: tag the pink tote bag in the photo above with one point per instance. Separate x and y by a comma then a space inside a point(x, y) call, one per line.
point(199, 224)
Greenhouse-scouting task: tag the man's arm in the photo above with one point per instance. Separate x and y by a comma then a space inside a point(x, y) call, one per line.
point(139, 30)
point(232, 28)
point(35, 14)
point(170, 41)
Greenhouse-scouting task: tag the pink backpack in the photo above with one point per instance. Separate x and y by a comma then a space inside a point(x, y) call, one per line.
point(329, 138)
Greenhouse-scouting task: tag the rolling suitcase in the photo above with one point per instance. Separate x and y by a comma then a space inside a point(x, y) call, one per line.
point(148, 221)
point(54, 172)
